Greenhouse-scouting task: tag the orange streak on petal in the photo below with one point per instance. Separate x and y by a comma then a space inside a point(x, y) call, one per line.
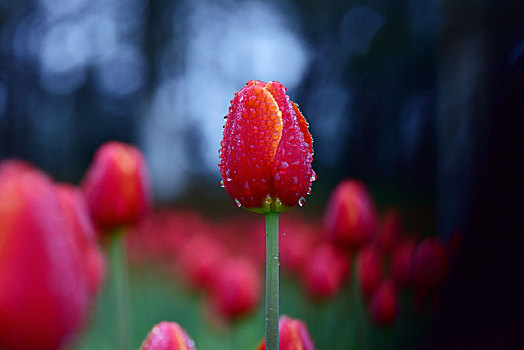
point(304, 127)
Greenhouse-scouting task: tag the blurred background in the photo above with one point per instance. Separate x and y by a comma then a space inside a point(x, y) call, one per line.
point(423, 100)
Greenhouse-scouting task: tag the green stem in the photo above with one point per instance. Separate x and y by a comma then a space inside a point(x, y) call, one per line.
point(272, 265)
point(120, 284)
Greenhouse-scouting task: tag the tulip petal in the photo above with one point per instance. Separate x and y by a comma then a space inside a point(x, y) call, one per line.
point(292, 164)
point(251, 137)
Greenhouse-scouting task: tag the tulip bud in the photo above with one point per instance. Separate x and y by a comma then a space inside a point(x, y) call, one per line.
point(115, 186)
point(168, 336)
point(236, 291)
point(384, 304)
point(429, 264)
point(43, 285)
point(266, 151)
point(369, 270)
point(200, 260)
point(402, 263)
point(350, 217)
point(326, 270)
point(389, 232)
point(292, 335)
point(75, 212)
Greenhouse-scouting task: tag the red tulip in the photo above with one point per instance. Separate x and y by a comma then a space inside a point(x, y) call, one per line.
point(75, 212)
point(296, 241)
point(350, 217)
point(402, 263)
point(200, 260)
point(116, 187)
point(369, 271)
point(384, 304)
point(292, 335)
point(326, 270)
point(43, 285)
point(168, 336)
point(236, 291)
point(429, 264)
point(266, 151)
point(389, 232)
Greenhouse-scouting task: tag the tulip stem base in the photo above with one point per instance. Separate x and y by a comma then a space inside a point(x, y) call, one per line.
point(120, 288)
point(272, 267)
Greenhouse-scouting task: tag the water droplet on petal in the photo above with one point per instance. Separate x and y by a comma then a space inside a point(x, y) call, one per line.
point(222, 184)
point(237, 203)
point(284, 165)
point(295, 180)
point(225, 117)
point(313, 176)
point(309, 191)
point(301, 201)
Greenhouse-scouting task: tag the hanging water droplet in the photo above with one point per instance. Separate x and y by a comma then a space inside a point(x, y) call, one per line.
point(309, 190)
point(225, 118)
point(301, 201)
point(237, 203)
point(222, 184)
point(313, 176)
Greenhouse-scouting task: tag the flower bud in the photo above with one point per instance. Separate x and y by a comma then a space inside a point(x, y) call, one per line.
point(350, 217)
point(326, 270)
point(384, 304)
point(267, 150)
point(292, 335)
point(115, 186)
point(75, 212)
point(389, 232)
point(200, 260)
point(236, 291)
point(369, 271)
point(43, 285)
point(401, 266)
point(429, 264)
point(168, 336)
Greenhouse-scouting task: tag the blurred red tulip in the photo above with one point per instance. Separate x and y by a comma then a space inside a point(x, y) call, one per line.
point(296, 240)
point(236, 291)
point(116, 186)
point(168, 336)
point(402, 259)
point(200, 260)
point(326, 270)
point(429, 264)
point(75, 212)
point(389, 233)
point(292, 335)
point(267, 150)
point(369, 271)
point(43, 284)
point(384, 304)
point(350, 217)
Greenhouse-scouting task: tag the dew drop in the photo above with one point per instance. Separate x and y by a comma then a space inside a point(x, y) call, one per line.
point(309, 191)
point(301, 201)
point(277, 176)
point(295, 180)
point(284, 165)
point(225, 117)
point(222, 184)
point(313, 176)
point(238, 204)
